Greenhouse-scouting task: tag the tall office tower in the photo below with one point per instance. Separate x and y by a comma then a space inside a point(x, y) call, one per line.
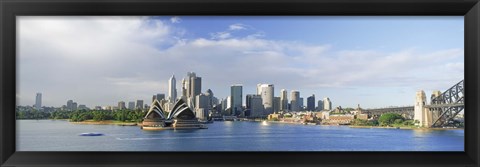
point(283, 100)
point(225, 103)
point(215, 101)
point(139, 104)
point(184, 87)
point(121, 105)
point(320, 105)
point(295, 103)
point(160, 96)
point(301, 104)
point(327, 104)
point(193, 87)
point(210, 97)
point(266, 91)
point(131, 105)
point(70, 105)
point(195, 84)
point(202, 108)
point(255, 105)
point(172, 89)
point(276, 104)
point(74, 106)
point(229, 105)
point(38, 101)
point(311, 103)
point(236, 99)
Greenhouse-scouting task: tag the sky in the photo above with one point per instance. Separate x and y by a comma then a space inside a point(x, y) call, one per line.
point(374, 61)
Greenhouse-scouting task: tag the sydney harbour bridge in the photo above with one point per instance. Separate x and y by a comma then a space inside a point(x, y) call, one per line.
point(441, 111)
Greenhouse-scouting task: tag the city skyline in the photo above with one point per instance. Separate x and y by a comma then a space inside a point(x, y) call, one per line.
point(108, 63)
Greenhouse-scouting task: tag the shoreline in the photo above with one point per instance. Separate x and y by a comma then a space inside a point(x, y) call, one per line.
point(365, 127)
point(108, 122)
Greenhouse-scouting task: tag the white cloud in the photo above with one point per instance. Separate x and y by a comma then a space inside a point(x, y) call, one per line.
point(220, 35)
point(176, 19)
point(237, 26)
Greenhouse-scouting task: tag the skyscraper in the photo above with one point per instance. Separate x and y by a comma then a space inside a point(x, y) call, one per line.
point(311, 103)
point(283, 100)
point(202, 108)
point(236, 99)
point(121, 105)
point(38, 101)
point(266, 91)
point(131, 105)
point(294, 104)
point(327, 104)
point(301, 103)
point(70, 105)
point(194, 84)
point(191, 87)
point(184, 87)
point(255, 105)
point(172, 89)
point(158, 96)
point(74, 106)
point(276, 104)
point(320, 105)
point(210, 98)
point(139, 104)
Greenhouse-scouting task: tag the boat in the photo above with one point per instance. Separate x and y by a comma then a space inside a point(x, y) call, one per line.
point(91, 134)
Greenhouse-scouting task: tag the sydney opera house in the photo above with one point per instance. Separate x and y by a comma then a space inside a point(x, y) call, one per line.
point(180, 117)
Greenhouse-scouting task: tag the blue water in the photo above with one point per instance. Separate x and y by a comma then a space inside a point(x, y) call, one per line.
point(59, 135)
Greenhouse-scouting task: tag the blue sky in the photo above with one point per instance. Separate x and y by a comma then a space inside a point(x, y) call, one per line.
point(371, 61)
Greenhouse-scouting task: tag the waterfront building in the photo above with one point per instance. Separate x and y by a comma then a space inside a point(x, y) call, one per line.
point(131, 105)
point(236, 99)
point(139, 104)
point(320, 105)
point(255, 105)
point(294, 104)
point(327, 104)
point(121, 105)
point(172, 89)
point(283, 100)
point(180, 117)
point(202, 108)
point(340, 119)
point(267, 93)
point(38, 101)
point(311, 103)
point(276, 104)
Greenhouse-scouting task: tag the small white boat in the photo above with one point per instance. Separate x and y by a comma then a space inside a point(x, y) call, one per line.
point(91, 134)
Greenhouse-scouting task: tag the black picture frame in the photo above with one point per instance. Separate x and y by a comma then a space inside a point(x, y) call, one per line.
point(470, 9)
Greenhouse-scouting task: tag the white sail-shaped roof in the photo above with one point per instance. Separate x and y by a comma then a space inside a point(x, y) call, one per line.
point(157, 108)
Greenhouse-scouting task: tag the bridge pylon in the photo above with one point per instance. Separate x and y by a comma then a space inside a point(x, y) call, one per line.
point(422, 116)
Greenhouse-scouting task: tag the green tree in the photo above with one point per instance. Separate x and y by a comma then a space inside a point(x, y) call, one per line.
point(389, 119)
